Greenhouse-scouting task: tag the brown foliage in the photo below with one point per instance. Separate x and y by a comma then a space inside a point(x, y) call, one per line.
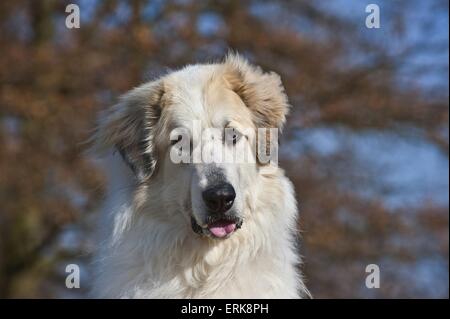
point(54, 80)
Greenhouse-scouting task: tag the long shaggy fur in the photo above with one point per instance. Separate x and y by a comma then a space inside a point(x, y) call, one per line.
point(147, 248)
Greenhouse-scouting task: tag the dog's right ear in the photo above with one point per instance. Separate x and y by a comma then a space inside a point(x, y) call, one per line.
point(129, 127)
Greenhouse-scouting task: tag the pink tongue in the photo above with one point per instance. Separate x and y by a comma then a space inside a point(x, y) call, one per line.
point(221, 228)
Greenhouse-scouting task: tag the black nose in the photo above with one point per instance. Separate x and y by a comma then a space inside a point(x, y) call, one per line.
point(219, 198)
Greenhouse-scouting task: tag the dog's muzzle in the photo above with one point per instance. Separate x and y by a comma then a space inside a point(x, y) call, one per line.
point(217, 226)
point(221, 221)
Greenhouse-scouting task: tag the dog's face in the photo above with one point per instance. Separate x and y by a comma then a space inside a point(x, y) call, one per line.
point(176, 133)
point(208, 120)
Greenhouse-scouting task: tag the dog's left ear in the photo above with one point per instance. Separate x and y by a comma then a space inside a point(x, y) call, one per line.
point(263, 93)
point(129, 128)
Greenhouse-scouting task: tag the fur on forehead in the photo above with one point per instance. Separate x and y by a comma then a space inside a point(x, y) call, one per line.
point(262, 92)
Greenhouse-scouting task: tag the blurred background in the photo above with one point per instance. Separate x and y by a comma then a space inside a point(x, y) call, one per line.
point(366, 143)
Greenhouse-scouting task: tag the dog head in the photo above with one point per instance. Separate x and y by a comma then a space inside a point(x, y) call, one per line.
point(194, 140)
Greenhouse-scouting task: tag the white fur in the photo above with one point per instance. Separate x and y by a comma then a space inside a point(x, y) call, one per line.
point(150, 251)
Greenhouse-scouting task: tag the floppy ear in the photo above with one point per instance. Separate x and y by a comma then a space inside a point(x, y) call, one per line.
point(129, 127)
point(263, 93)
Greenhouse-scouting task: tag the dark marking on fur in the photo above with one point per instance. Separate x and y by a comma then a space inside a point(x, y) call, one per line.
point(196, 227)
point(215, 175)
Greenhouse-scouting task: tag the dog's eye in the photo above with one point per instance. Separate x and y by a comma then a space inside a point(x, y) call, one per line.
point(233, 136)
point(173, 142)
point(236, 137)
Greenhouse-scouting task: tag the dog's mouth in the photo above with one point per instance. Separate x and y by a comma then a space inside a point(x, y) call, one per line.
point(219, 228)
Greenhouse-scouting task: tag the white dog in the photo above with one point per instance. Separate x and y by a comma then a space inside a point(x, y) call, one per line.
point(196, 230)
